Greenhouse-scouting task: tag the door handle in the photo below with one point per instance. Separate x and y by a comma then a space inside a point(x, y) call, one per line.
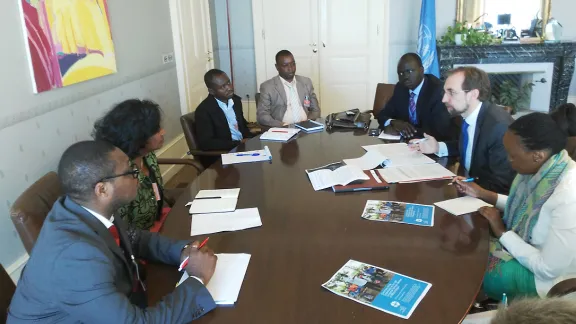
point(209, 52)
point(315, 50)
point(209, 59)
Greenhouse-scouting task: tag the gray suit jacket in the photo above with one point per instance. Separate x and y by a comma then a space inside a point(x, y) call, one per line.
point(77, 274)
point(273, 103)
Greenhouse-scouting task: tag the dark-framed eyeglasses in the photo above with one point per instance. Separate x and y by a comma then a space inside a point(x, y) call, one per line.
point(134, 173)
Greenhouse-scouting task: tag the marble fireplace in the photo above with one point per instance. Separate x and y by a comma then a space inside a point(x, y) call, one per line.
point(549, 66)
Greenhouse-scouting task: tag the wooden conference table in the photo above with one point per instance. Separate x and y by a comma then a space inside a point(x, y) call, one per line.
point(307, 236)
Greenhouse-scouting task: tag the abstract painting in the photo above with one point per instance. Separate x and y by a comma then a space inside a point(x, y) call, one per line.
point(68, 41)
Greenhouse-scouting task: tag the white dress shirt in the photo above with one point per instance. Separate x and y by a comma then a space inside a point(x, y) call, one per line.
point(471, 120)
point(294, 111)
point(416, 93)
point(550, 253)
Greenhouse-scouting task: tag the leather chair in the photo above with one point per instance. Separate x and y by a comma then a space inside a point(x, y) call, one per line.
point(7, 289)
point(30, 209)
point(206, 158)
point(384, 92)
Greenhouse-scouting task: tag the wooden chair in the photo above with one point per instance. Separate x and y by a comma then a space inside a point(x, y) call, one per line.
point(7, 289)
point(384, 92)
point(206, 158)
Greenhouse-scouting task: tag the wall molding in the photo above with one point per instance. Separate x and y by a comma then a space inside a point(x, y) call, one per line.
point(52, 105)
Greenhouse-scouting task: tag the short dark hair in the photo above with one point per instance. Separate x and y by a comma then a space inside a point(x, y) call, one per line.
point(537, 311)
point(129, 125)
point(539, 132)
point(84, 164)
point(474, 78)
point(412, 56)
point(282, 53)
point(565, 116)
point(210, 75)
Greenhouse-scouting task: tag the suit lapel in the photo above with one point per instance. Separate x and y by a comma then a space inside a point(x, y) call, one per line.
point(479, 121)
point(219, 115)
point(422, 98)
point(280, 89)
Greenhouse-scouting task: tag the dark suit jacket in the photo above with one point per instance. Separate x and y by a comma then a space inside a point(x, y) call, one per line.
point(212, 131)
point(76, 273)
point(571, 147)
point(433, 117)
point(489, 158)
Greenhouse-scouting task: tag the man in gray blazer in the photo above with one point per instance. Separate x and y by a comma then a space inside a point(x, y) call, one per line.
point(83, 266)
point(287, 98)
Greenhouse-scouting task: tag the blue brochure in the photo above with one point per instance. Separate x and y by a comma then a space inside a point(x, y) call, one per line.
point(399, 212)
point(379, 288)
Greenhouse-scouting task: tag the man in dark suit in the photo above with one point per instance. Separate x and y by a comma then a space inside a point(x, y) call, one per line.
point(220, 123)
point(83, 268)
point(481, 151)
point(416, 103)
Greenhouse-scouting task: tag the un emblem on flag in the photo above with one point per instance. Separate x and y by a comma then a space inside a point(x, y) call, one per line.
point(424, 46)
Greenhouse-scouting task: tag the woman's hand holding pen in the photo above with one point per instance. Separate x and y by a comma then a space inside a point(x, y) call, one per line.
point(468, 188)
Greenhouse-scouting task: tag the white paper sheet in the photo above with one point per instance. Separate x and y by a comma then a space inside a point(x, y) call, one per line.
point(399, 154)
point(415, 173)
point(218, 205)
point(223, 222)
point(368, 161)
point(227, 279)
point(279, 134)
point(390, 150)
point(389, 137)
point(247, 156)
point(462, 205)
point(323, 179)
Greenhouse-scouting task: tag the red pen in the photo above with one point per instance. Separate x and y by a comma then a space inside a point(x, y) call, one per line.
point(185, 262)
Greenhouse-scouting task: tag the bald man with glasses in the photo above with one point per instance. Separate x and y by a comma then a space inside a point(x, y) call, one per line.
point(480, 148)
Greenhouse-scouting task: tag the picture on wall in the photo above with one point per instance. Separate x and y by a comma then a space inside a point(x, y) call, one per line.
point(67, 41)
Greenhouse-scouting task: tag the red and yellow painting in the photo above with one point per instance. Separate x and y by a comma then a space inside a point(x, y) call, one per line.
point(68, 41)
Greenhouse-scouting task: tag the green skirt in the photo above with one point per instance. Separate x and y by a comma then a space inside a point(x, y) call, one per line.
point(509, 277)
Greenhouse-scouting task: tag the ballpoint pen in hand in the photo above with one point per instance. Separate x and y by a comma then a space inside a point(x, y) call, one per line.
point(185, 262)
point(464, 180)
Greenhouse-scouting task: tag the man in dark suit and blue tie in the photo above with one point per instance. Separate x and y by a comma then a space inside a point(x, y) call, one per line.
point(416, 105)
point(481, 151)
point(83, 266)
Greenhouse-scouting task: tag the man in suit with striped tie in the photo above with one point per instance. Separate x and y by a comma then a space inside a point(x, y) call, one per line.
point(287, 98)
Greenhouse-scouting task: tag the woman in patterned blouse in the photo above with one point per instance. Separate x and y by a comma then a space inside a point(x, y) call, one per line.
point(134, 127)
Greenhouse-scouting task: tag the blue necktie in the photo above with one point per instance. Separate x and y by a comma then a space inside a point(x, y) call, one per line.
point(464, 143)
point(412, 109)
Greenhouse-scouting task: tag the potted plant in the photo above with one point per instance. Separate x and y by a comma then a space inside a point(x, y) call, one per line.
point(513, 97)
point(468, 36)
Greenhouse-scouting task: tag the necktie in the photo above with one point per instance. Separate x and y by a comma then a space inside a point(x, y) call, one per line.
point(412, 110)
point(114, 231)
point(464, 143)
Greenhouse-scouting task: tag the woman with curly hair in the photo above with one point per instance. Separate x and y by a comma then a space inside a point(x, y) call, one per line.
point(134, 126)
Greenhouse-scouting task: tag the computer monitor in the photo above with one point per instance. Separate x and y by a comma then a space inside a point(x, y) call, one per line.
point(504, 19)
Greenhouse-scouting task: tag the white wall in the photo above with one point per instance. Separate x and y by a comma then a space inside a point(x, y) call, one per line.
point(563, 10)
point(36, 128)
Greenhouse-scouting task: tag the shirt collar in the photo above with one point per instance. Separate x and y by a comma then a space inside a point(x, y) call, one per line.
point(223, 104)
point(418, 88)
point(107, 222)
point(291, 84)
point(473, 117)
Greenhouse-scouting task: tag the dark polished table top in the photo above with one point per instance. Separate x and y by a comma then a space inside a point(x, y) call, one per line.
point(307, 236)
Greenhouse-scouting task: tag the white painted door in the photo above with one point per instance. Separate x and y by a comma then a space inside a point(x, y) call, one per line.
point(193, 49)
point(290, 25)
point(351, 53)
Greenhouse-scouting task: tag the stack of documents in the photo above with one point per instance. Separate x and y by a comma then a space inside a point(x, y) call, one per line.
point(462, 205)
point(227, 279)
point(415, 173)
point(247, 156)
point(223, 222)
point(214, 201)
point(335, 174)
point(389, 137)
point(279, 134)
point(398, 154)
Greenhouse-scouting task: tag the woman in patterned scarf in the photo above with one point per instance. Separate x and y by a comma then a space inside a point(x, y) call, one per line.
point(534, 240)
point(134, 127)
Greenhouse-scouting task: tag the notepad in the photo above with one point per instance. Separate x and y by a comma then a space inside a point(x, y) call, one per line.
point(214, 201)
point(369, 161)
point(224, 222)
point(247, 156)
point(310, 126)
point(389, 137)
point(415, 173)
point(335, 174)
point(279, 134)
point(462, 205)
point(227, 279)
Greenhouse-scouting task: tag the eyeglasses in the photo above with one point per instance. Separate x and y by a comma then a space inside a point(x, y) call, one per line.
point(452, 93)
point(133, 172)
point(406, 72)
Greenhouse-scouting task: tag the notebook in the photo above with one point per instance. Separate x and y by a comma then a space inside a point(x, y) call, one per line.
point(310, 126)
point(214, 201)
point(374, 183)
point(227, 279)
point(279, 134)
point(247, 156)
point(225, 222)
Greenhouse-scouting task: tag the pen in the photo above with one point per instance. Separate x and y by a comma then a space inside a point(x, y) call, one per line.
point(419, 140)
point(278, 131)
point(185, 262)
point(208, 198)
point(504, 300)
point(465, 180)
point(247, 154)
